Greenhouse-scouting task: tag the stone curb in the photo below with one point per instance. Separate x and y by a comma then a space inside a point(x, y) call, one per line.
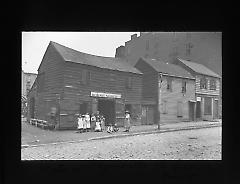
point(125, 135)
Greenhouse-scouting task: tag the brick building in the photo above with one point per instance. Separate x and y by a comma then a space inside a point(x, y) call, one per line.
point(169, 86)
point(71, 82)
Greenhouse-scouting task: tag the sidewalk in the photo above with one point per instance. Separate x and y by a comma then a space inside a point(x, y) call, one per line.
point(33, 136)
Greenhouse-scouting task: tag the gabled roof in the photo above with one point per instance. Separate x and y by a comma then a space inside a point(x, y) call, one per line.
point(199, 68)
point(168, 69)
point(111, 63)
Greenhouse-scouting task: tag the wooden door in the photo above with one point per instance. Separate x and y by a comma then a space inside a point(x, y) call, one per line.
point(119, 110)
point(144, 115)
point(191, 111)
point(215, 109)
point(150, 115)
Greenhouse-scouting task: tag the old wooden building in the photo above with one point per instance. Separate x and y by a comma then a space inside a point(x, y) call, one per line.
point(71, 82)
point(207, 89)
point(169, 86)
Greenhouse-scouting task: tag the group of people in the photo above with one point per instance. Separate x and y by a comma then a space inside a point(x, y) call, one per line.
point(88, 123)
point(96, 122)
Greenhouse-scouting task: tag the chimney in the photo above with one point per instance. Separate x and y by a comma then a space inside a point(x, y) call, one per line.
point(134, 36)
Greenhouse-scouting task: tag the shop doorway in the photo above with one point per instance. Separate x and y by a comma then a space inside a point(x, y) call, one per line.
point(191, 110)
point(198, 110)
point(215, 109)
point(107, 109)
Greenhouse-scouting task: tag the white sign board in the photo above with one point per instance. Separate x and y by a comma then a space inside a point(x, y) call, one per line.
point(198, 98)
point(105, 95)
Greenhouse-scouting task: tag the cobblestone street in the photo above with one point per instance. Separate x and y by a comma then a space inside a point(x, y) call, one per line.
point(197, 144)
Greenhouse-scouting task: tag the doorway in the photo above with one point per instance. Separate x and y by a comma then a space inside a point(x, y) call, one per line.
point(191, 110)
point(198, 109)
point(215, 109)
point(107, 109)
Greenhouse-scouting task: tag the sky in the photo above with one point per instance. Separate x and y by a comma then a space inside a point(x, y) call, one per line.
point(34, 44)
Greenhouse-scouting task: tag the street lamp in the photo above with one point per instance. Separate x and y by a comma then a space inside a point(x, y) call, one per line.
point(159, 98)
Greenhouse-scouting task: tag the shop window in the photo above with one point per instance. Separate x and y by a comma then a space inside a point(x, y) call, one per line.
point(169, 84)
point(212, 84)
point(203, 83)
point(135, 110)
point(184, 86)
point(207, 106)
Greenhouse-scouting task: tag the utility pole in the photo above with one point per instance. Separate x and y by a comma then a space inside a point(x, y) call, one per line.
point(159, 99)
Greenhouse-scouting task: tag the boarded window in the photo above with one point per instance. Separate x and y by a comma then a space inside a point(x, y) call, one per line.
point(179, 109)
point(41, 82)
point(184, 86)
point(169, 84)
point(212, 84)
point(207, 106)
point(203, 83)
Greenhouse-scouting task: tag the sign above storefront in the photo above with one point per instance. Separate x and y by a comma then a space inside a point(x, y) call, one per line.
point(105, 95)
point(198, 98)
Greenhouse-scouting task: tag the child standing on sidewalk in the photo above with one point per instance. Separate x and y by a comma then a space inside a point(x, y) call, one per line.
point(87, 119)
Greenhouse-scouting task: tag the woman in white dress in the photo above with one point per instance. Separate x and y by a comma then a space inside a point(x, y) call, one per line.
point(84, 123)
point(80, 124)
point(87, 119)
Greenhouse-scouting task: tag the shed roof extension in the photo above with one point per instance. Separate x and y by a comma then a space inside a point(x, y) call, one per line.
point(168, 69)
point(111, 63)
point(199, 68)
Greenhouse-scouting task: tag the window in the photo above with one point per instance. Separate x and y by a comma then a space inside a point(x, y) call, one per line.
point(85, 77)
point(212, 84)
point(164, 108)
point(128, 82)
point(184, 86)
point(203, 83)
point(179, 109)
point(207, 106)
point(169, 84)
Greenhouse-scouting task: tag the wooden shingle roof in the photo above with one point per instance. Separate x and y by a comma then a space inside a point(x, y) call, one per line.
point(199, 68)
point(168, 69)
point(111, 63)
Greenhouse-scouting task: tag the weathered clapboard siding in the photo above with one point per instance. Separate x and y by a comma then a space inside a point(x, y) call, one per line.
point(101, 80)
point(51, 65)
point(173, 97)
point(207, 91)
point(75, 91)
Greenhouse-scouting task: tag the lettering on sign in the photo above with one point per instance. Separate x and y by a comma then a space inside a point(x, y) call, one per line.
point(105, 95)
point(198, 98)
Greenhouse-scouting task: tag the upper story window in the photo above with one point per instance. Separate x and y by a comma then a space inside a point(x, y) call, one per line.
point(169, 84)
point(184, 86)
point(203, 83)
point(85, 77)
point(212, 84)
